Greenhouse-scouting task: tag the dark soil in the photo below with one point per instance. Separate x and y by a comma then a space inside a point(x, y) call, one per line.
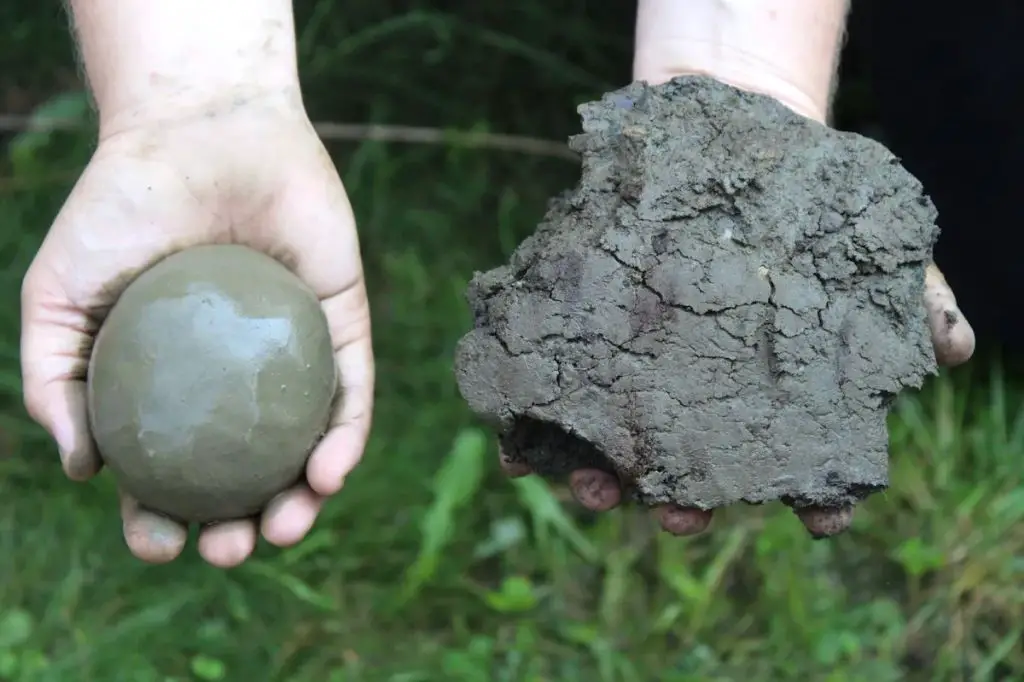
point(722, 310)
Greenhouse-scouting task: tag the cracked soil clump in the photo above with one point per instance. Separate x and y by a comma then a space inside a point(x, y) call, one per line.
point(723, 309)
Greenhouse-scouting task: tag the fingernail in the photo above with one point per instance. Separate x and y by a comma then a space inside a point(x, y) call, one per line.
point(163, 530)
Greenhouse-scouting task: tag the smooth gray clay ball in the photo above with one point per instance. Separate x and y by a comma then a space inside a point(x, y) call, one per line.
point(723, 309)
point(210, 382)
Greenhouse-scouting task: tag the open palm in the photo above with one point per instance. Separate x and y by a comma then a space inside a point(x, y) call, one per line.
point(256, 176)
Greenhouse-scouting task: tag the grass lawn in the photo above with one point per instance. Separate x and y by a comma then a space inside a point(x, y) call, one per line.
point(430, 566)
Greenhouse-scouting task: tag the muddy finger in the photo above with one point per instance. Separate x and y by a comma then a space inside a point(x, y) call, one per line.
point(683, 521)
point(511, 468)
point(151, 537)
point(952, 335)
point(595, 489)
point(825, 522)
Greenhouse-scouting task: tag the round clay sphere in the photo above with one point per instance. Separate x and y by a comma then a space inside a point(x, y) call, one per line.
point(210, 382)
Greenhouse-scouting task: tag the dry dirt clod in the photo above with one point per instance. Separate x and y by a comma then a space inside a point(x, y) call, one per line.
point(722, 310)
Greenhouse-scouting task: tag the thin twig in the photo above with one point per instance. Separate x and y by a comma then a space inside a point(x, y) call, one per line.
point(358, 132)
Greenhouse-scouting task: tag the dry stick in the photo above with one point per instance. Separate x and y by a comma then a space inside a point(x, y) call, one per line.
point(360, 133)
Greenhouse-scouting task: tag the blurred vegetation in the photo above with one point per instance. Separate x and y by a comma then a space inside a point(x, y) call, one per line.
point(430, 566)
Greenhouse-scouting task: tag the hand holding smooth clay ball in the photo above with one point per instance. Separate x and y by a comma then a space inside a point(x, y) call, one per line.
point(210, 382)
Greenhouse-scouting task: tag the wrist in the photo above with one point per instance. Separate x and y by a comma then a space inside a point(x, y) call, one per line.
point(786, 49)
point(153, 60)
point(740, 70)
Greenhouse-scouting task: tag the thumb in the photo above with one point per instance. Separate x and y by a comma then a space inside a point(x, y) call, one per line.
point(952, 335)
point(56, 338)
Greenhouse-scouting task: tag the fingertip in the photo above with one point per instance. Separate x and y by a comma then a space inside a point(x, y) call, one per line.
point(512, 468)
point(954, 342)
point(683, 521)
point(953, 339)
point(290, 516)
point(228, 544)
point(151, 537)
point(332, 460)
point(342, 447)
point(824, 522)
point(82, 464)
point(595, 489)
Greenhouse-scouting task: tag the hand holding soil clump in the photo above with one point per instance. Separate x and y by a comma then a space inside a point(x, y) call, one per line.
point(210, 382)
point(722, 311)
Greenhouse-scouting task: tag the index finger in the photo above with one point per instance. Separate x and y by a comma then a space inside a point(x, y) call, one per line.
point(952, 335)
point(343, 444)
point(314, 223)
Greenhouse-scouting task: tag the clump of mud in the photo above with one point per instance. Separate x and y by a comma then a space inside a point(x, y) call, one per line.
point(723, 309)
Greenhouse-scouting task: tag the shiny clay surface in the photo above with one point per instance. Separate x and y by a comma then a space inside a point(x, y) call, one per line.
point(210, 382)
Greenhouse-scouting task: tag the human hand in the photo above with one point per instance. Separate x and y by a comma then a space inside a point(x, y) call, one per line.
point(244, 169)
point(786, 49)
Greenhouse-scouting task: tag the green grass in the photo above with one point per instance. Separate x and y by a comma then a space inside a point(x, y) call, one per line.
point(430, 566)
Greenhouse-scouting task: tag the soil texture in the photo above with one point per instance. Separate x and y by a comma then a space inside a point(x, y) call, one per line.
point(722, 310)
